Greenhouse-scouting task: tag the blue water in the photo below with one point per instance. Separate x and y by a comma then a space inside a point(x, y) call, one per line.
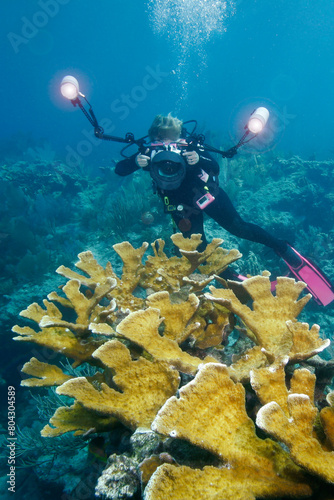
point(277, 53)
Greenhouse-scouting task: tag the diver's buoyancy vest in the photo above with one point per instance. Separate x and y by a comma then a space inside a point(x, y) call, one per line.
point(167, 180)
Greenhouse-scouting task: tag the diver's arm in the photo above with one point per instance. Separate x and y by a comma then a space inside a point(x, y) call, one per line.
point(133, 163)
point(199, 158)
point(127, 166)
point(207, 162)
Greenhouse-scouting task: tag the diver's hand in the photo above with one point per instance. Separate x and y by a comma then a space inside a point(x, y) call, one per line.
point(142, 159)
point(191, 157)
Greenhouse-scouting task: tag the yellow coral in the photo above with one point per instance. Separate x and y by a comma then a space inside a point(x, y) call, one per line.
point(140, 378)
point(215, 327)
point(269, 383)
point(60, 340)
point(225, 483)
point(99, 277)
point(77, 419)
point(96, 273)
point(187, 244)
point(219, 260)
point(327, 419)
point(132, 264)
point(177, 315)
point(305, 342)
point(142, 327)
point(83, 307)
point(223, 427)
point(197, 282)
point(163, 273)
point(272, 318)
point(143, 387)
point(254, 358)
point(295, 430)
point(303, 382)
point(44, 374)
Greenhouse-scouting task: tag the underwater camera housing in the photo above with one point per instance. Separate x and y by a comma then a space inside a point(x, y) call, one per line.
point(168, 169)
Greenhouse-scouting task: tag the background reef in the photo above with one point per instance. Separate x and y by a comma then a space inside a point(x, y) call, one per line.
point(53, 212)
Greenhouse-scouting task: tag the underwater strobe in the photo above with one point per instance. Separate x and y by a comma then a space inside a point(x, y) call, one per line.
point(255, 125)
point(69, 88)
point(258, 120)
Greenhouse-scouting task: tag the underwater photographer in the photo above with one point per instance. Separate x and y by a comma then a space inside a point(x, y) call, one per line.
point(185, 177)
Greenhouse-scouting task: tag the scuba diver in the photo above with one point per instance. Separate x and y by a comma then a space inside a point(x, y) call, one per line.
point(186, 178)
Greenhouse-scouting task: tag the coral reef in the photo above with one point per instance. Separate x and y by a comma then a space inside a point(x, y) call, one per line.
point(87, 339)
point(119, 479)
point(259, 427)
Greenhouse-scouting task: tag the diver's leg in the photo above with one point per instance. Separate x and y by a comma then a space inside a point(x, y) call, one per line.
point(193, 224)
point(224, 213)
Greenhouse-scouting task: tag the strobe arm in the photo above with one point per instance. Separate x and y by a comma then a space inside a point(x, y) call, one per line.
point(225, 154)
point(199, 140)
point(255, 125)
point(69, 88)
point(128, 139)
point(98, 130)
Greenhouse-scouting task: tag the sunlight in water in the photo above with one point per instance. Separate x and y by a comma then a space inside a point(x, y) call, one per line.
point(189, 25)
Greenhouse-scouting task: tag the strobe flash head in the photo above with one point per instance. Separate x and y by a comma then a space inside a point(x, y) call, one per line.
point(69, 87)
point(258, 120)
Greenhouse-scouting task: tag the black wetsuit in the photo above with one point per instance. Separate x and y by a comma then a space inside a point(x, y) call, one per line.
point(190, 219)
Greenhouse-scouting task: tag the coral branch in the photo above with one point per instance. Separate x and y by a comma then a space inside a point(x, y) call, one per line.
point(143, 387)
point(47, 375)
point(142, 327)
point(223, 427)
point(296, 431)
